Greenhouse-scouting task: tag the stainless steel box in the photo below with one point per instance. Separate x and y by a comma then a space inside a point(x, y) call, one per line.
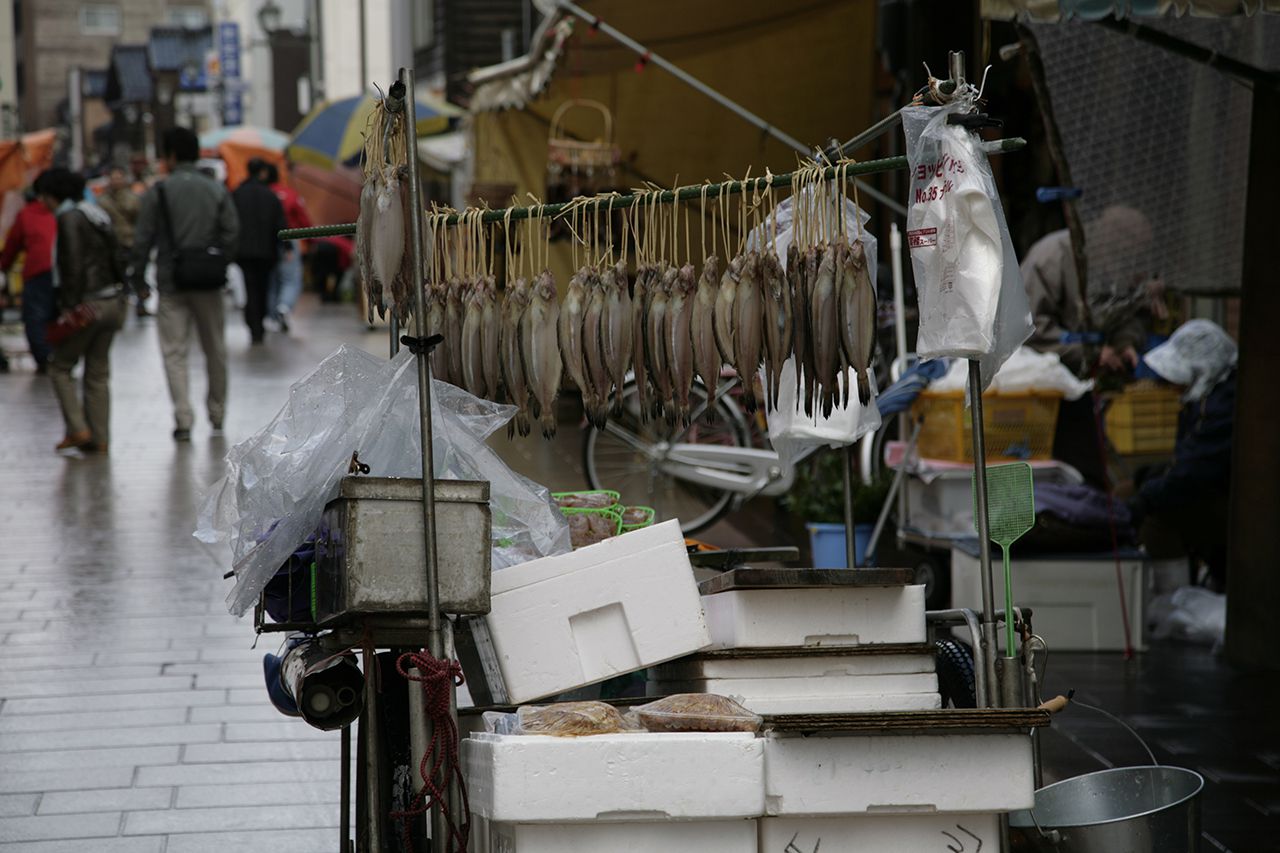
point(370, 556)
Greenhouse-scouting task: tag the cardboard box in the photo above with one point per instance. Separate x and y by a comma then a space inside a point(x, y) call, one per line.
point(564, 622)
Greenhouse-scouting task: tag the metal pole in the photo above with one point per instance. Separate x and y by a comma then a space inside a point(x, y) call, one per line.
point(344, 797)
point(435, 638)
point(850, 545)
point(374, 814)
point(364, 63)
point(990, 649)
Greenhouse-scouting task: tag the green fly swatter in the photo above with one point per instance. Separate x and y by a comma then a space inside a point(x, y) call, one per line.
point(1011, 510)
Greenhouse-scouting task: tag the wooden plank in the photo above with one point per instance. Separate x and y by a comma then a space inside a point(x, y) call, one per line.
point(945, 721)
point(748, 578)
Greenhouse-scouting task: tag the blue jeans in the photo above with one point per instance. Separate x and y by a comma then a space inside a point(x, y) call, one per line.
point(38, 310)
point(286, 284)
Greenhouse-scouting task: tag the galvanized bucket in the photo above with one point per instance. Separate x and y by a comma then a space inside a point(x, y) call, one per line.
point(1130, 809)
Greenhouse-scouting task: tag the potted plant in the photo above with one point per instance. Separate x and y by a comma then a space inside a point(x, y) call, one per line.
point(818, 497)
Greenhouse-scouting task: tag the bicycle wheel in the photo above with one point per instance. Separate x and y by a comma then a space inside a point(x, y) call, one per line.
point(628, 456)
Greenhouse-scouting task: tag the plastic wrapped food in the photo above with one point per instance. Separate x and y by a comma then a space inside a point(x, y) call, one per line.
point(635, 517)
point(589, 526)
point(696, 712)
point(594, 499)
point(571, 719)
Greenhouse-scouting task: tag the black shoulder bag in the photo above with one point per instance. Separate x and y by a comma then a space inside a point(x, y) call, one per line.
point(196, 267)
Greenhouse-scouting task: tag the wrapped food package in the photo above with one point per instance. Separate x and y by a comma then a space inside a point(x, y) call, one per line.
point(571, 719)
point(696, 712)
point(593, 499)
point(590, 526)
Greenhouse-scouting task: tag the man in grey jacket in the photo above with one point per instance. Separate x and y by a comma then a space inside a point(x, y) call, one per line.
point(194, 211)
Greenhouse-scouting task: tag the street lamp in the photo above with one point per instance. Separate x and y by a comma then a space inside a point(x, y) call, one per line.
point(269, 17)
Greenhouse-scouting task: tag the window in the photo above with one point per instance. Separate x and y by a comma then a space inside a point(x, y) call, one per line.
point(187, 17)
point(100, 19)
point(424, 23)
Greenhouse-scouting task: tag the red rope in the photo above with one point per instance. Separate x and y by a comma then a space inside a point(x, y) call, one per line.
point(437, 677)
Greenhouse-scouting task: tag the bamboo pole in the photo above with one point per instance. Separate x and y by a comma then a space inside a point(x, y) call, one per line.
point(688, 193)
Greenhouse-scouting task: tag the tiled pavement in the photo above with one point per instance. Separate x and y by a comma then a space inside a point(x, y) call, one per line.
point(132, 714)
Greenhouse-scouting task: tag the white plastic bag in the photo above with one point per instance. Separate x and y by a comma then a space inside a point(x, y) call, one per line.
point(791, 431)
point(278, 481)
point(1026, 370)
point(1190, 613)
point(971, 298)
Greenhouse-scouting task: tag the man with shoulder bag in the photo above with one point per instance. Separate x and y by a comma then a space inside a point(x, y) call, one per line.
point(190, 221)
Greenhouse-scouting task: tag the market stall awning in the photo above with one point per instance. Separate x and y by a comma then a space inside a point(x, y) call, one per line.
point(1094, 10)
point(443, 152)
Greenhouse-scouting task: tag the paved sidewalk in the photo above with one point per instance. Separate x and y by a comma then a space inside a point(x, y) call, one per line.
point(132, 713)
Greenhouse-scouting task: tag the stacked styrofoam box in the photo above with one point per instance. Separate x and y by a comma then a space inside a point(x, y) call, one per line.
point(829, 680)
point(905, 793)
point(643, 793)
point(827, 627)
point(564, 622)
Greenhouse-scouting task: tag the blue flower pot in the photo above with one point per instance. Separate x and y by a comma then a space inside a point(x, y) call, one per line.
point(828, 544)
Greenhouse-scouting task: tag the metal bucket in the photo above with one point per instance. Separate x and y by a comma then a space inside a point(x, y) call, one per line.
point(1130, 809)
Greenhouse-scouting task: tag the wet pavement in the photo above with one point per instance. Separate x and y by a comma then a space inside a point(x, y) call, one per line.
point(132, 713)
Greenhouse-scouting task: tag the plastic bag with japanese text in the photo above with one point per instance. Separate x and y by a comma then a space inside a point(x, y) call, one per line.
point(972, 301)
point(278, 482)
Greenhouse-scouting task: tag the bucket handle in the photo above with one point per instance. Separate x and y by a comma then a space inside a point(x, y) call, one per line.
point(583, 102)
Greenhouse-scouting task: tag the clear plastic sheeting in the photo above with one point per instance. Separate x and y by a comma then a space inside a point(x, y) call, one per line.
point(973, 304)
point(278, 482)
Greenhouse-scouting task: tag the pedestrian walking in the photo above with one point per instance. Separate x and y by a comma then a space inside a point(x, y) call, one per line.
point(122, 204)
point(191, 222)
point(286, 281)
point(90, 279)
point(32, 234)
point(258, 252)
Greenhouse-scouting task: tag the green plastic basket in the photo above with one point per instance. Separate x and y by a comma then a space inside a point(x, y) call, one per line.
point(614, 519)
point(649, 514)
point(615, 498)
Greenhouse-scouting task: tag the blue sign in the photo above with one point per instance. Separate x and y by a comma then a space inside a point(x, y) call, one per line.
point(229, 64)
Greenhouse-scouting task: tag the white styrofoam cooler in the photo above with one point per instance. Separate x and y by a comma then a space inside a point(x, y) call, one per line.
point(1074, 601)
point(563, 622)
point(525, 779)
point(931, 833)
point(805, 664)
point(839, 616)
point(897, 774)
point(703, 836)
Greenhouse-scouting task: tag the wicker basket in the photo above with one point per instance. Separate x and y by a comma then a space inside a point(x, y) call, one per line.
point(1016, 426)
point(1143, 418)
point(576, 157)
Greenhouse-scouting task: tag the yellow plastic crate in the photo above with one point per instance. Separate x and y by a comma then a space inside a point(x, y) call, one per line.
point(1016, 426)
point(1143, 418)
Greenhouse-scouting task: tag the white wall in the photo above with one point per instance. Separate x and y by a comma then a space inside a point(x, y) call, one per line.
point(8, 68)
point(388, 44)
point(255, 55)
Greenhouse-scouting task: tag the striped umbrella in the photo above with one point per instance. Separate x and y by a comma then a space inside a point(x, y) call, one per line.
point(334, 131)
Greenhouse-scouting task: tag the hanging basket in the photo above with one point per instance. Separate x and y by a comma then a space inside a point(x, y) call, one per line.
point(592, 161)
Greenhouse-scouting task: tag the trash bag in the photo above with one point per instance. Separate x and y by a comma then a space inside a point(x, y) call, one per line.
point(278, 482)
point(972, 301)
point(1190, 613)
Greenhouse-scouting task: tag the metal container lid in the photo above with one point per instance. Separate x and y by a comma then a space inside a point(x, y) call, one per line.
point(410, 489)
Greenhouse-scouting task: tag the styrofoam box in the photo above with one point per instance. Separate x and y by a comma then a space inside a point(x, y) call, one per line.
point(897, 774)
point(1075, 602)
point(757, 618)
point(816, 686)
point(703, 836)
point(807, 665)
point(623, 777)
point(931, 833)
point(568, 621)
point(844, 704)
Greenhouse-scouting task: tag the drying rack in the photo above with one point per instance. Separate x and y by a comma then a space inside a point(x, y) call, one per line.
point(402, 98)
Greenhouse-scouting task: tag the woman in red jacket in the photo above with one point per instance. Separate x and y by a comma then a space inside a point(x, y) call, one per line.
point(33, 232)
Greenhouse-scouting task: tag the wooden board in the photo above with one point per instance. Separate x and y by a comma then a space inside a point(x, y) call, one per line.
point(804, 579)
point(940, 722)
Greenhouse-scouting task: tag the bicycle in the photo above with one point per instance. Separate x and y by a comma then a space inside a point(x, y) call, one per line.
point(696, 473)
